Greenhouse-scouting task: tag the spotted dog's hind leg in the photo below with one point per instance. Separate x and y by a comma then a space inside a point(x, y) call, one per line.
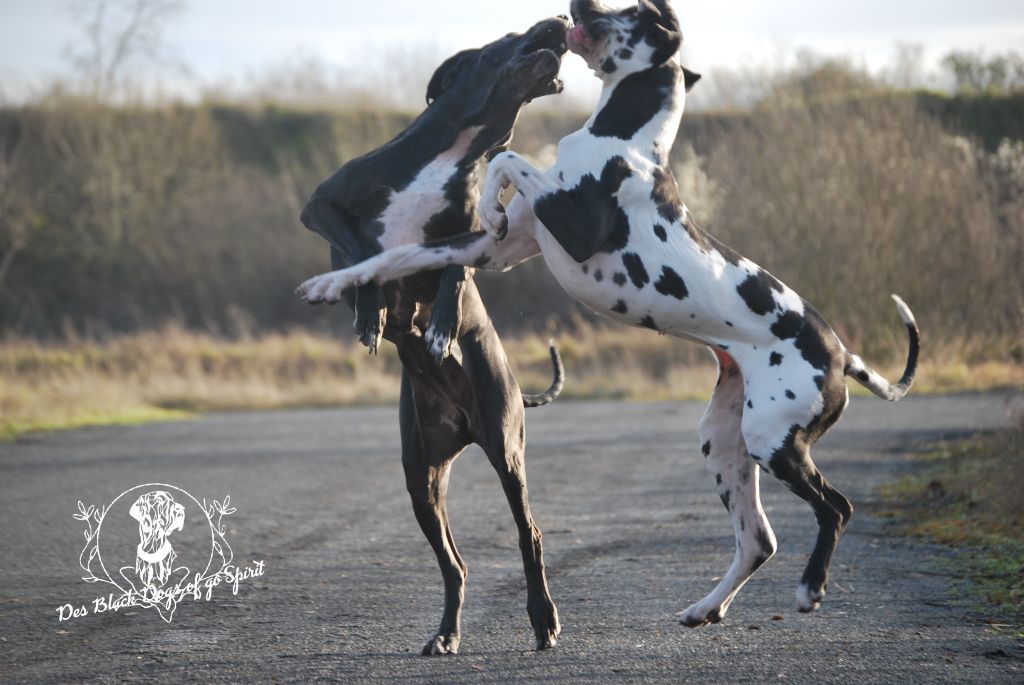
point(736, 475)
point(786, 451)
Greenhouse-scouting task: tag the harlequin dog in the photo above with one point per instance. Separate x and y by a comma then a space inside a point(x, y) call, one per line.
point(613, 231)
point(457, 387)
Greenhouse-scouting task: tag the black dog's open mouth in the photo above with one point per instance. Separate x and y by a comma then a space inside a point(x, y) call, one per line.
point(541, 57)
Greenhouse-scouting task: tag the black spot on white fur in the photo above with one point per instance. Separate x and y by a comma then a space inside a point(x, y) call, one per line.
point(775, 359)
point(671, 283)
point(609, 66)
point(620, 307)
point(648, 322)
point(660, 231)
point(756, 291)
point(813, 336)
point(636, 270)
point(636, 100)
point(619, 279)
point(587, 218)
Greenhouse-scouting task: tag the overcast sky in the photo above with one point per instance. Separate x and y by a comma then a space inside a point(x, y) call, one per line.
point(222, 40)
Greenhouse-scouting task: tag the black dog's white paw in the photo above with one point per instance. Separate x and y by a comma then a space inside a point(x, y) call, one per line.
point(440, 340)
point(808, 600)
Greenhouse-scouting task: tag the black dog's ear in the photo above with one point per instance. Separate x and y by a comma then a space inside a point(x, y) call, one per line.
point(445, 75)
point(690, 78)
point(661, 28)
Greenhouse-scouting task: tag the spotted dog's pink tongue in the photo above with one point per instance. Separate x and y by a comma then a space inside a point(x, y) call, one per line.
point(579, 39)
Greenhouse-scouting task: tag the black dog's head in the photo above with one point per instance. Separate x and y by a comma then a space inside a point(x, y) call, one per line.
point(616, 43)
point(475, 86)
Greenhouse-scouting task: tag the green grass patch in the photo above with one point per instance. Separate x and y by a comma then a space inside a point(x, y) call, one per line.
point(131, 416)
point(968, 495)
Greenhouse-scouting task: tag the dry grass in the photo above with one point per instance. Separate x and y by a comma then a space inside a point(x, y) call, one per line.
point(173, 373)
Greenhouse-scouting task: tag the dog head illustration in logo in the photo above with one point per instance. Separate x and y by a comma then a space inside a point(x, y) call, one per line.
point(158, 516)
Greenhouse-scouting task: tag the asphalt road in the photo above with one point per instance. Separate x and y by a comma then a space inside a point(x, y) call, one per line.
point(633, 532)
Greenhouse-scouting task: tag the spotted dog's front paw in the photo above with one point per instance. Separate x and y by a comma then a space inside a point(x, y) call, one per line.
point(493, 219)
point(439, 341)
point(442, 644)
point(701, 614)
point(490, 209)
point(326, 287)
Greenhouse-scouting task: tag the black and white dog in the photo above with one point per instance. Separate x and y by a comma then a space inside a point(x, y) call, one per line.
point(457, 387)
point(613, 231)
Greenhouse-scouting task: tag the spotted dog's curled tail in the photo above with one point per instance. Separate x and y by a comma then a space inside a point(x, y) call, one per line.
point(549, 395)
point(872, 380)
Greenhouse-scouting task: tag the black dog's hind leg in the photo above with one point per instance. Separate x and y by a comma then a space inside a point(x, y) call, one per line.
point(446, 317)
point(504, 441)
point(349, 247)
point(429, 447)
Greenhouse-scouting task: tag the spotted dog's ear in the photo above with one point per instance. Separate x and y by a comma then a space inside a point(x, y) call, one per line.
point(445, 75)
point(661, 28)
point(690, 78)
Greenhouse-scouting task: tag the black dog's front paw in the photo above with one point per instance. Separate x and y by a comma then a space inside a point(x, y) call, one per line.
point(370, 328)
point(544, 618)
point(440, 338)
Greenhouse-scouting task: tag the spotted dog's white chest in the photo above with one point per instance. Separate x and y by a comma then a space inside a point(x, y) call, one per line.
point(410, 209)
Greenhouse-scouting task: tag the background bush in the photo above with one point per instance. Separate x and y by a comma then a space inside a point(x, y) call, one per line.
point(126, 218)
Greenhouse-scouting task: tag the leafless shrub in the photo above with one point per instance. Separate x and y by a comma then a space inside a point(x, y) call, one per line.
point(851, 199)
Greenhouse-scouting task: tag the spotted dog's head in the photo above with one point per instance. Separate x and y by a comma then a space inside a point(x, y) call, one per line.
point(616, 43)
point(474, 87)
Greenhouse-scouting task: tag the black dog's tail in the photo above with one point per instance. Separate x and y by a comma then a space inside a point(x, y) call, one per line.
point(555, 389)
point(874, 381)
